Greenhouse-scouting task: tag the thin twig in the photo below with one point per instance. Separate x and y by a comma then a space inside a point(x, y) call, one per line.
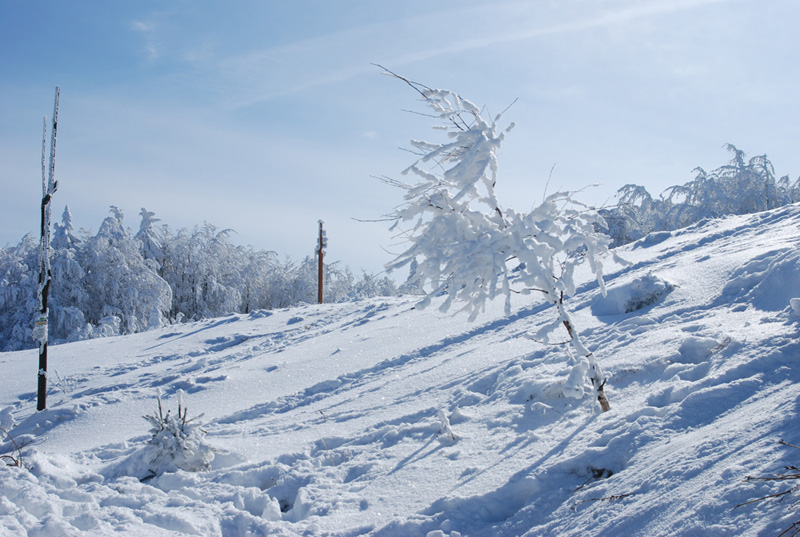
point(785, 443)
point(16, 461)
point(603, 499)
point(767, 497)
point(547, 184)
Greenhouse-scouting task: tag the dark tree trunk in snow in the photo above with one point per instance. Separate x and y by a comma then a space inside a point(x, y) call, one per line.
point(49, 186)
point(322, 243)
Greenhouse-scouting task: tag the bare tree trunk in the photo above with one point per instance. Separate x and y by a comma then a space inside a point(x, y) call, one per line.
point(321, 243)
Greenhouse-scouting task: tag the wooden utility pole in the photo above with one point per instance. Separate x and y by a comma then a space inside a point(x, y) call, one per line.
point(322, 243)
point(49, 186)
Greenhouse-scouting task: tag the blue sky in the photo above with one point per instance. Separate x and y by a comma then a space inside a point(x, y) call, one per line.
point(266, 116)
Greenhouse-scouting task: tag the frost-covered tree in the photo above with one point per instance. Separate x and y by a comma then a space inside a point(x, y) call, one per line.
point(69, 298)
point(469, 249)
point(203, 270)
point(18, 287)
point(64, 234)
point(372, 285)
point(150, 240)
point(125, 294)
point(742, 186)
point(257, 273)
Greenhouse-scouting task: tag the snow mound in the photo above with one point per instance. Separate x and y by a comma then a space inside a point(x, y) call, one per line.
point(766, 280)
point(632, 296)
point(695, 350)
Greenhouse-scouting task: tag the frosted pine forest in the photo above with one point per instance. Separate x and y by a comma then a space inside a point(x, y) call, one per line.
point(195, 388)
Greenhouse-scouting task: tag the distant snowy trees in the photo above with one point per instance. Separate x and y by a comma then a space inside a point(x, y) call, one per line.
point(117, 282)
point(740, 187)
point(466, 247)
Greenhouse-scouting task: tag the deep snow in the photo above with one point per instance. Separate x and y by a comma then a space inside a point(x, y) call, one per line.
point(375, 418)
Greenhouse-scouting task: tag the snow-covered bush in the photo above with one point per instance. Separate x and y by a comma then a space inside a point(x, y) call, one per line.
point(176, 443)
point(740, 187)
point(469, 249)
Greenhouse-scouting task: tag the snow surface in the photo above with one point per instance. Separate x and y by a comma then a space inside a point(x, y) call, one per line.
point(374, 418)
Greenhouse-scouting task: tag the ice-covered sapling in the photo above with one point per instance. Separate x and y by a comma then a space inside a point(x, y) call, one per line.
point(469, 249)
point(176, 442)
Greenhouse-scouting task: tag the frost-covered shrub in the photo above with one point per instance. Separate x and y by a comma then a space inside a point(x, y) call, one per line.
point(176, 443)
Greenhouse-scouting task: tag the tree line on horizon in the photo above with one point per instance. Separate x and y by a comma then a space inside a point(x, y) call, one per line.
point(116, 282)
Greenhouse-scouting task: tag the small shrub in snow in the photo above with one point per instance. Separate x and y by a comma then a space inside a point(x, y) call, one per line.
point(177, 442)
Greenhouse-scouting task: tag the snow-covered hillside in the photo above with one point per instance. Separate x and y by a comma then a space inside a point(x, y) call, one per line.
point(374, 418)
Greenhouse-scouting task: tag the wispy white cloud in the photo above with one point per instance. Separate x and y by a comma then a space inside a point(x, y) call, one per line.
point(340, 56)
point(148, 31)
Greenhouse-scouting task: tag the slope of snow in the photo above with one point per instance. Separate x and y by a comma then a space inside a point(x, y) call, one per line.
point(375, 418)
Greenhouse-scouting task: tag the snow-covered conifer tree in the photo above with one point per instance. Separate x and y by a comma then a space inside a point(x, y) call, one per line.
point(69, 297)
point(468, 248)
point(64, 234)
